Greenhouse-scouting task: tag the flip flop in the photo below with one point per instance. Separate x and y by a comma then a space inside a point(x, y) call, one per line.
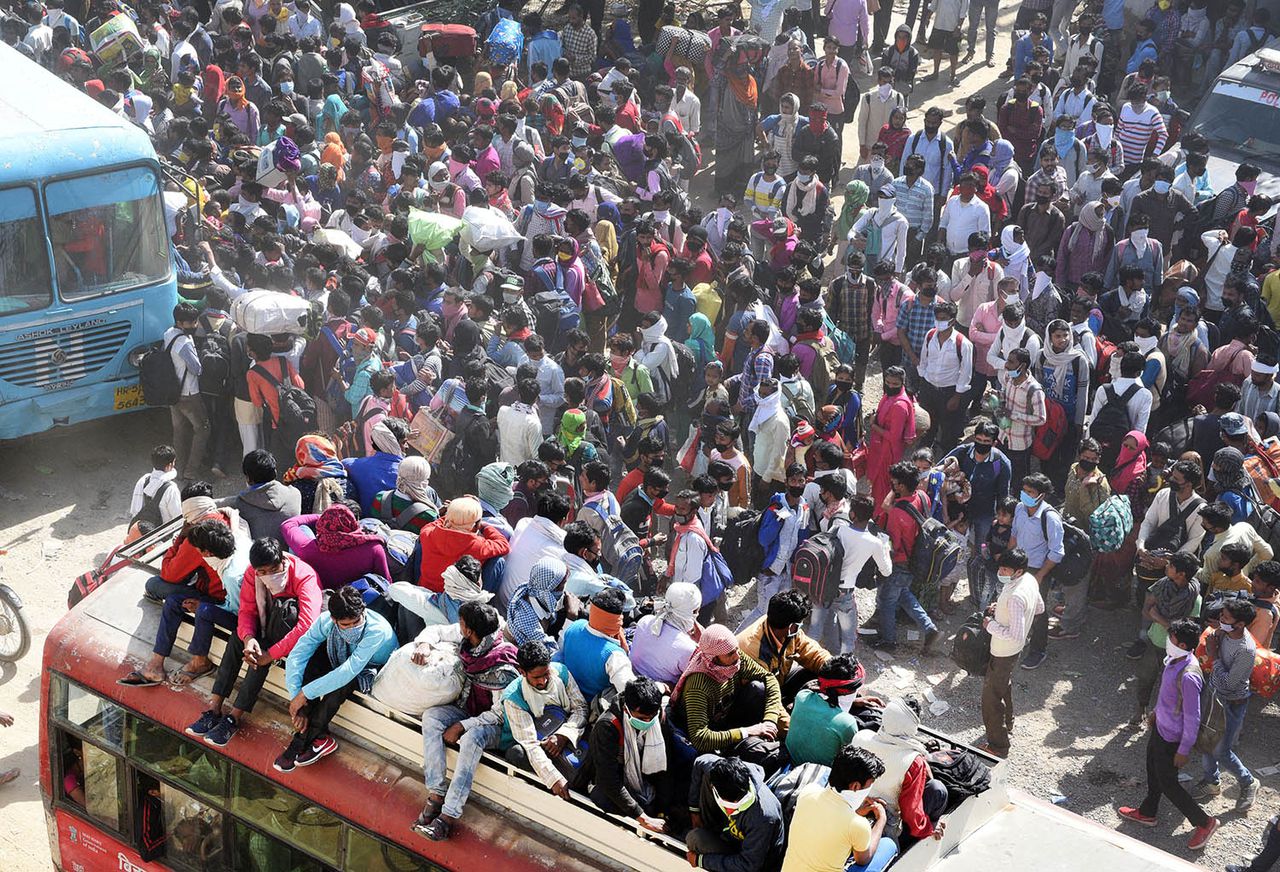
point(137, 679)
point(12, 775)
point(182, 677)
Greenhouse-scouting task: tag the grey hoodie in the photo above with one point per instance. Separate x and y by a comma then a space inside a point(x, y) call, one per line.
point(265, 508)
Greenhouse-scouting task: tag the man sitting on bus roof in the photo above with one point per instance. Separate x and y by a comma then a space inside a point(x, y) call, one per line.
point(594, 648)
point(542, 713)
point(280, 599)
point(338, 654)
point(183, 567)
point(631, 755)
point(737, 820)
point(209, 536)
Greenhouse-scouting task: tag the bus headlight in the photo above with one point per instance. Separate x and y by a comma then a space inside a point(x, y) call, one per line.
point(135, 356)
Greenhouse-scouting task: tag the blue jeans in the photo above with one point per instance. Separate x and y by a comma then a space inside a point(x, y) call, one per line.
point(473, 743)
point(885, 852)
point(171, 618)
point(208, 616)
point(1223, 752)
point(893, 592)
point(160, 589)
point(767, 584)
point(844, 610)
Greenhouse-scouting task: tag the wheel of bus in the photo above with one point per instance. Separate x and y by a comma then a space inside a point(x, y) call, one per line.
point(15, 638)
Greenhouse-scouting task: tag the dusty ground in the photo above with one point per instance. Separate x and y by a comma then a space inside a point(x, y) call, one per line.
point(63, 503)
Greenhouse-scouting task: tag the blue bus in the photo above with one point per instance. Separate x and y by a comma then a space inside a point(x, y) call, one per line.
point(86, 276)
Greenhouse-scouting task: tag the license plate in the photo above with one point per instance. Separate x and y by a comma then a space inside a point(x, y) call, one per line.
point(128, 397)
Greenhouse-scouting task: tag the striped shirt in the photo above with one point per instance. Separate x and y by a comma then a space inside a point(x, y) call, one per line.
point(765, 197)
point(1135, 131)
point(1025, 405)
point(915, 202)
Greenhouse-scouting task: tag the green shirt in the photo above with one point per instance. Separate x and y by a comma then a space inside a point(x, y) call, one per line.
point(817, 730)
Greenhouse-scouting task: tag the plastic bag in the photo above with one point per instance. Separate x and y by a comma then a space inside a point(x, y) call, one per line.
point(433, 231)
point(412, 689)
point(489, 230)
point(270, 312)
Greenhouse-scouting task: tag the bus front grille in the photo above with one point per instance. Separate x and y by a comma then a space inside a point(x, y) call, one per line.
point(59, 357)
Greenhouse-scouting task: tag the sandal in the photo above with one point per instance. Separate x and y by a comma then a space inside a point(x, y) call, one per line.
point(430, 811)
point(11, 775)
point(182, 677)
point(137, 679)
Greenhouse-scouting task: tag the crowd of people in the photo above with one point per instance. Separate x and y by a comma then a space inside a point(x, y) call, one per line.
point(549, 407)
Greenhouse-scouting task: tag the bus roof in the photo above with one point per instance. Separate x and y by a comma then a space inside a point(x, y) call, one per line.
point(48, 128)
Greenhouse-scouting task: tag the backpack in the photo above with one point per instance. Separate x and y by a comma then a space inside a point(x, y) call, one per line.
point(937, 549)
point(846, 349)
point(1112, 423)
point(716, 575)
point(816, 569)
point(971, 648)
point(400, 545)
point(90, 581)
point(620, 548)
point(150, 511)
point(551, 317)
point(505, 42)
point(741, 545)
point(1110, 524)
point(825, 361)
point(158, 377)
point(297, 407)
point(960, 770)
point(799, 402)
point(622, 417)
point(689, 374)
point(1048, 436)
point(1104, 350)
point(600, 278)
point(1202, 385)
point(214, 350)
point(1077, 551)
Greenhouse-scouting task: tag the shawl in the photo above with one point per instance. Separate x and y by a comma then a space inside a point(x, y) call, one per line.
point(744, 88)
point(701, 341)
point(317, 458)
point(1016, 253)
point(716, 641)
point(1061, 362)
point(855, 197)
point(573, 428)
point(1130, 463)
point(796, 189)
point(1175, 600)
point(1228, 470)
point(413, 479)
point(494, 484)
point(337, 530)
point(644, 752)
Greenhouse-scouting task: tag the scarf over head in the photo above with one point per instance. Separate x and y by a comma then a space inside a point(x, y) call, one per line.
point(855, 197)
point(606, 623)
point(462, 588)
point(1017, 253)
point(716, 641)
point(463, 513)
point(899, 727)
point(573, 429)
point(195, 508)
point(701, 341)
point(1093, 222)
point(679, 608)
point(787, 121)
point(316, 458)
point(337, 530)
point(413, 479)
point(1062, 363)
point(534, 602)
point(1130, 463)
point(766, 408)
point(1228, 470)
point(384, 440)
point(494, 484)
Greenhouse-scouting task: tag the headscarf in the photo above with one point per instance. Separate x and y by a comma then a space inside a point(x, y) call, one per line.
point(899, 726)
point(744, 88)
point(1130, 463)
point(988, 195)
point(335, 154)
point(701, 341)
point(317, 458)
point(483, 82)
point(1001, 158)
point(679, 608)
point(494, 484)
point(1093, 222)
point(716, 641)
point(215, 84)
point(453, 313)
point(1268, 425)
point(466, 337)
point(1228, 470)
point(573, 429)
point(1061, 363)
point(195, 508)
point(337, 530)
point(235, 92)
point(1016, 253)
point(384, 440)
point(535, 600)
point(607, 623)
point(462, 588)
point(766, 408)
point(347, 18)
point(855, 197)
point(787, 123)
point(413, 479)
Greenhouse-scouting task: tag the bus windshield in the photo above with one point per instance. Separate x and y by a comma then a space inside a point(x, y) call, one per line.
point(24, 259)
point(107, 232)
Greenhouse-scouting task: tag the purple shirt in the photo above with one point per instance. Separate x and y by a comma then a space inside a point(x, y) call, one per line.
point(334, 568)
point(1175, 726)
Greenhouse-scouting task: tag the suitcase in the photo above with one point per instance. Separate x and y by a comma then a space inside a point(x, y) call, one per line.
point(448, 41)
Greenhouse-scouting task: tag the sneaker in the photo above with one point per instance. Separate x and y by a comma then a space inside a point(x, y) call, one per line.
point(288, 758)
point(222, 732)
point(1248, 793)
point(1201, 835)
point(1205, 790)
point(206, 723)
point(321, 747)
point(1137, 649)
point(930, 638)
point(1034, 659)
point(868, 630)
point(437, 830)
point(1060, 634)
point(1133, 814)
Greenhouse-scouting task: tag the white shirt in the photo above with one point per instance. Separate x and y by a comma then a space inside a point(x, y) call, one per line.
point(1217, 270)
point(184, 49)
point(302, 26)
point(959, 219)
point(689, 110)
point(519, 435)
point(186, 362)
point(893, 235)
point(859, 547)
point(40, 40)
point(1009, 338)
point(534, 538)
point(941, 365)
point(170, 501)
point(1139, 403)
point(691, 553)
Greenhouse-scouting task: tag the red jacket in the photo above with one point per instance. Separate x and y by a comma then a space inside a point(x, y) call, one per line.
point(442, 546)
point(181, 560)
point(302, 584)
point(903, 529)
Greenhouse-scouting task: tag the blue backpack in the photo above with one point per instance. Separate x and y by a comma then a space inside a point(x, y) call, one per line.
point(716, 575)
point(846, 350)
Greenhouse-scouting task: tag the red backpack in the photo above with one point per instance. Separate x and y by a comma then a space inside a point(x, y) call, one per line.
point(1048, 436)
point(1105, 349)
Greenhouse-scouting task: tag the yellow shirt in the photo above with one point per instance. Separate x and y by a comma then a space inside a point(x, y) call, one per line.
point(1219, 582)
point(1271, 294)
point(825, 832)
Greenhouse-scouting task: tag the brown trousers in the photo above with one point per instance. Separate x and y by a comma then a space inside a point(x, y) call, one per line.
point(997, 701)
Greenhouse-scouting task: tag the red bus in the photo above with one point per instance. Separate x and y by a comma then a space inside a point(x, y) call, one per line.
point(112, 756)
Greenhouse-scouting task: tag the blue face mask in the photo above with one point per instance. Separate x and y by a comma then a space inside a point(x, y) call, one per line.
point(1161, 188)
point(1063, 140)
point(351, 635)
point(286, 88)
point(1028, 500)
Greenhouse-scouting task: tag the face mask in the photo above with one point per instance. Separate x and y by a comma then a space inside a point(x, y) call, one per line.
point(1063, 140)
point(275, 581)
point(1044, 198)
point(795, 491)
point(804, 178)
point(884, 91)
point(877, 163)
point(977, 255)
point(1104, 133)
point(1145, 343)
point(855, 798)
point(579, 142)
point(662, 216)
point(981, 450)
point(892, 392)
point(942, 324)
point(1172, 651)
point(1110, 202)
point(885, 206)
point(564, 256)
point(619, 360)
point(1161, 188)
point(1249, 187)
point(1139, 237)
point(1028, 500)
point(438, 185)
point(640, 725)
point(1088, 465)
point(726, 486)
point(1005, 579)
point(351, 635)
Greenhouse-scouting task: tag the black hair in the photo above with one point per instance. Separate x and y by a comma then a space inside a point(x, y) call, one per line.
point(1218, 514)
point(1186, 564)
point(259, 466)
point(579, 535)
point(214, 536)
point(480, 618)
point(787, 608)
point(842, 667)
point(642, 695)
point(162, 456)
point(1013, 558)
point(854, 765)
point(346, 603)
point(265, 552)
point(730, 777)
point(531, 655)
point(553, 506)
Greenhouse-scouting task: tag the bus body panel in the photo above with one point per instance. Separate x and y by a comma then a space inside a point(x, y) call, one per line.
point(67, 360)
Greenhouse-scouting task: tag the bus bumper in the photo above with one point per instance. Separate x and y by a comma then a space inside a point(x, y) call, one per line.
point(71, 405)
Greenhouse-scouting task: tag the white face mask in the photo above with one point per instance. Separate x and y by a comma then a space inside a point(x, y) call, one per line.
point(885, 206)
point(856, 798)
point(1145, 343)
point(1104, 134)
point(884, 91)
point(661, 215)
point(941, 324)
point(274, 581)
point(1172, 651)
point(1139, 237)
point(877, 163)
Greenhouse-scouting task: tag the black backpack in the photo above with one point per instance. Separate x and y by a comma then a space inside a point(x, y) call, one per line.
point(741, 546)
point(971, 648)
point(1077, 551)
point(150, 511)
point(297, 408)
point(547, 308)
point(160, 383)
point(937, 549)
point(1112, 422)
point(689, 375)
point(961, 771)
point(215, 365)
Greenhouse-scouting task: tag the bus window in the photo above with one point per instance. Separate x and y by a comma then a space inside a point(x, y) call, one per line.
point(107, 232)
point(286, 815)
point(90, 713)
point(91, 780)
point(258, 852)
point(192, 831)
point(368, 854)
point(192, 765)
point(24, 259)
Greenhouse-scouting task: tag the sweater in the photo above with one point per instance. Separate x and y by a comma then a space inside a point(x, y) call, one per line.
point(266, 507)
point(333, 568)
point(300, 584)
point(442, 547)
point(703, 700)
point(374, 649)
